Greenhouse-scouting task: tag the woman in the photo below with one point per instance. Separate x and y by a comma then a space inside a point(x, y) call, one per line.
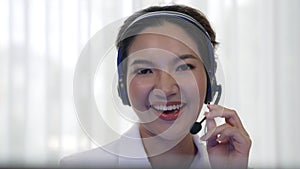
point(166, 73)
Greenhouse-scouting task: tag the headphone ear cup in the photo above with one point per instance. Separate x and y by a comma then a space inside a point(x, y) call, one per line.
point(212, 89)
point(121, 85)
point(209, 94)
point(122, 92)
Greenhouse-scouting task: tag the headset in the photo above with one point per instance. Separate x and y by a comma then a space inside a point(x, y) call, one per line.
point(212, 86)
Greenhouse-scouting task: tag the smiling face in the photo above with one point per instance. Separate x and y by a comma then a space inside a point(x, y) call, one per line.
point(166, 81)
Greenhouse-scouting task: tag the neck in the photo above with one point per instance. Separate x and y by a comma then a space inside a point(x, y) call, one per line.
point(164, 153)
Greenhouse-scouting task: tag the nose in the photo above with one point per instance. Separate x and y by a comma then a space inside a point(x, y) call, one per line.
point(166, 84)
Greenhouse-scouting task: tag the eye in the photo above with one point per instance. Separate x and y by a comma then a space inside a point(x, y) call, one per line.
point(185, 67)
point(144, 71)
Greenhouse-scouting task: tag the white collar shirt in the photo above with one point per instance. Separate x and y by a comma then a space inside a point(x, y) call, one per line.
point(126, 152)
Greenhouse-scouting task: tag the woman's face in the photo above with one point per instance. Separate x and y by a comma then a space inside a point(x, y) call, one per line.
point(166, 81)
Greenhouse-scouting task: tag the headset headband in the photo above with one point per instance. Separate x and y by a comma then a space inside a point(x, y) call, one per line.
point(186, 17)
point(212, 86)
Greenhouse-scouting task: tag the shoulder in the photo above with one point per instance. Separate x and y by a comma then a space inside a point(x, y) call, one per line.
point(94, 158)
point(126, 151)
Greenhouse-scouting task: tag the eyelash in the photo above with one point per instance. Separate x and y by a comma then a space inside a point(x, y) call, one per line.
point(142, 71)
point(184, 67)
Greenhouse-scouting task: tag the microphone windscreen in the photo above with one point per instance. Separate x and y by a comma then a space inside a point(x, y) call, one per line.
point(195, 128)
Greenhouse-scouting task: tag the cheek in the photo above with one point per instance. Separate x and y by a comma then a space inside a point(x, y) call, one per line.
point(201, 81)
point(202, 87)
point(195, 88)
point(138, 92)
point(195, 92)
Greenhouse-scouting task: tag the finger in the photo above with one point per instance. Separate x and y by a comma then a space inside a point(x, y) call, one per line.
point(230, 116)
point(228, 132)
point(223, 138)
point(212, 137)
point(213, 133)
point(210, 123)
point(236, 139)
point(211, 126)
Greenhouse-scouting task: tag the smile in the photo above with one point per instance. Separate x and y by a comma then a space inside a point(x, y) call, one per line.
point(168, 111)
point(167, 108)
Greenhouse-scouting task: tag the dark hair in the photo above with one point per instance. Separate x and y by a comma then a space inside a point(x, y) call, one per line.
point(194, 13)
point(133, 26)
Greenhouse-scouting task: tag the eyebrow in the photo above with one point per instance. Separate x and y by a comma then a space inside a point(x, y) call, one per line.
point(141, 61)
point(176, 60)
point(183, 57)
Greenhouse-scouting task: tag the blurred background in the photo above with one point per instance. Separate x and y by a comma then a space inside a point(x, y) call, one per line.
point(41, 40)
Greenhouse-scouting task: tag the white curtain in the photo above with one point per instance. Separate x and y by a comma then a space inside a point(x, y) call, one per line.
point(41, 40)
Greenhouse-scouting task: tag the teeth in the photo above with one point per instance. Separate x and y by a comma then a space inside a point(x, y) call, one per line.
point(169, 108)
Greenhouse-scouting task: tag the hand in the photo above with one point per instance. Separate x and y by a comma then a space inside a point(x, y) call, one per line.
point(228, 145)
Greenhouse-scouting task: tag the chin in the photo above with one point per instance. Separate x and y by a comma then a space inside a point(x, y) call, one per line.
point(172, 131)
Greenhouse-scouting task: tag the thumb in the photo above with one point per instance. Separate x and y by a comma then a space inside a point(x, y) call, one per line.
point(211, 127)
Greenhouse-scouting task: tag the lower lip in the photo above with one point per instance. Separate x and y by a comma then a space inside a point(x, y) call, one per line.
point(169, 116)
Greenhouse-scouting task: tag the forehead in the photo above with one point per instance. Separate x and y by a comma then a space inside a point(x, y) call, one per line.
point(168, 37)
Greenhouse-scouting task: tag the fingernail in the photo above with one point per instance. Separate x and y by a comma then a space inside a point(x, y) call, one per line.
point(220, 138)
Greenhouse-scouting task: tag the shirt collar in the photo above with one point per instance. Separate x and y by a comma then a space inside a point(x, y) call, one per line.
point(132, 149)
point(133, 152)
point(201, 159)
